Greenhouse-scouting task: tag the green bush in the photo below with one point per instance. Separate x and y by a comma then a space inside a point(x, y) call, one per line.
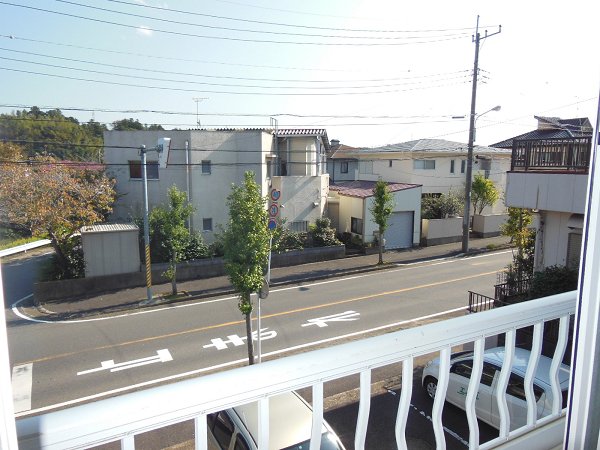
point(553, 280)
point(75, 264)
point(441, 207)
point(322, 234)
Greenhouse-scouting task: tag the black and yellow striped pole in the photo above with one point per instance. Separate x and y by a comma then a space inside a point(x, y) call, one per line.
point(146, 226)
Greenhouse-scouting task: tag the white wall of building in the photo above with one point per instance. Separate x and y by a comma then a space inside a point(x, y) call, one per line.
point(302, 198)
point(401, 168)
point(553, 232)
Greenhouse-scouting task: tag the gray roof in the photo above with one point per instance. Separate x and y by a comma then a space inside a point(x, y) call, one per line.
point(431, 146)
point(556, 128)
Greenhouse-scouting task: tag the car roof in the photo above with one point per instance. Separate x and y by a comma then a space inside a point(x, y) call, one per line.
point(290, 420)
point(521, 359)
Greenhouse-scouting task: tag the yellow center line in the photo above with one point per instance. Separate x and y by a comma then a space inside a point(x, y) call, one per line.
point(264, 316)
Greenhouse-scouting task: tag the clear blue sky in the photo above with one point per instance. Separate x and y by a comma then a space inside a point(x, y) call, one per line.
point(371, 72)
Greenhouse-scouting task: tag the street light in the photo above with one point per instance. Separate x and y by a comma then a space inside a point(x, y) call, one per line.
point(469, 174)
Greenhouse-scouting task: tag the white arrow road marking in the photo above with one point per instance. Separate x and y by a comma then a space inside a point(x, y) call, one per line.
point(321, 322)
point(161, 356)
point(236, 341)
point(21, 386)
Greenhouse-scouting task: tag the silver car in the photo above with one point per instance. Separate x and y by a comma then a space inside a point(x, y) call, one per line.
point(290, 423)
point(486, 408)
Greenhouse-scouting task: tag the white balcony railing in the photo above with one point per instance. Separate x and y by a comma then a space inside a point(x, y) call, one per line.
point(121, 418)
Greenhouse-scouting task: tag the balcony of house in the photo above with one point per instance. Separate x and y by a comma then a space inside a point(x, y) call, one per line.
point(124, 418)
point(549, 174)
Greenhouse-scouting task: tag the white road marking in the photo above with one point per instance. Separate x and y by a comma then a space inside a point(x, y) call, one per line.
point(401, 267)
point(237, 341)
point(161, 356)
point(321, 322)
point(229, 364)
point(446, 429)
point(21, 386)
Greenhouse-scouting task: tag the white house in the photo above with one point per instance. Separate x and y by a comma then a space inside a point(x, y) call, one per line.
point(349, 209)
point(549, 174)
point(289, 166)
point(437, 165)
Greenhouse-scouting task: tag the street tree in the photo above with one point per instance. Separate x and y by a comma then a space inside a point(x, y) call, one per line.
point(246, 246)
point(381, 209)
point(54, 199)
point(483, 193)
point(518, 228)
point(170, 224)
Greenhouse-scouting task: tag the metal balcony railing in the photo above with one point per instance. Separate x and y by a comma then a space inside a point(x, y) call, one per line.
point(122, 418)
point(572, 155)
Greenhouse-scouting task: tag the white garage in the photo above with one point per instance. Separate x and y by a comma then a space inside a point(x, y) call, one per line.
point(351, 202)
point(400, 230)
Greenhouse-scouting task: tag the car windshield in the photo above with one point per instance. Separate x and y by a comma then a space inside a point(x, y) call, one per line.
point(328, 442)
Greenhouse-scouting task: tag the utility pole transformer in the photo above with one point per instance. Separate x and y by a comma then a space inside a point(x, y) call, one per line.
point(469, 175)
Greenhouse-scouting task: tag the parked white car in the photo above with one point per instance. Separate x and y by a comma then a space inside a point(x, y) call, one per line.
point(486, 406)
point(290, 423)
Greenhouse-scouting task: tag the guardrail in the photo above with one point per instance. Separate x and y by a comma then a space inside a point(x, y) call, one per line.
point(571, 154)
point(121, 418)
point(23, 248)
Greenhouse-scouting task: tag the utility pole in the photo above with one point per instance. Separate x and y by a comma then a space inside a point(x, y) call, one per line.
point(477, 39)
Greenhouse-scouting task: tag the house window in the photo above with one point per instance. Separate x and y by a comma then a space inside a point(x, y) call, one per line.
point(207, 224)
point(356, 225)
point(206, 167)
point(390, 163)
point(135, 170)
point(573, 250)
point(424, 164)
point(451, 166)
point(463, 164)
point(300, 226)
point(344, 167)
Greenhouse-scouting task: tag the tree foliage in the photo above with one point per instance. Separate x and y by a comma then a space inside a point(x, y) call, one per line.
point(381, 210)
point(322, 233)
point(517, 227)
point(442, 206)
point(52, 133)
point(246, 246)
point(483, 193)
point(553, 280)
point(133, 124)
point(55, 200)
point(169, 231)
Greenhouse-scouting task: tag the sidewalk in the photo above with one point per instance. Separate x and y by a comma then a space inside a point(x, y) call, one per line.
point(135, 298)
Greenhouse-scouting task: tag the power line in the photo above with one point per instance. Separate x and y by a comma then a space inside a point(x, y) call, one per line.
point(204, 83)
point(379, 80)
point(280, 24)
point(166, 57)
point(231, 38)
point(174, 89)
point(245, 30)
point(233, 114)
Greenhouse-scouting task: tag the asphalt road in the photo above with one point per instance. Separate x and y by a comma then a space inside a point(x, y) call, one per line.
point(83, 360)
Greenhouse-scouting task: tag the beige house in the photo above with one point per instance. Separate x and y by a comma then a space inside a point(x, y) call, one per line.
point(289, 166)
point(437, 165)
point(549, 174)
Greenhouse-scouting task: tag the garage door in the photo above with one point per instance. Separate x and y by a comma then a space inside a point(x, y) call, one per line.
point(400, 231)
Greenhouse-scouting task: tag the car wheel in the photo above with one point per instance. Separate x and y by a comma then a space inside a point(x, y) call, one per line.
point(430, 385)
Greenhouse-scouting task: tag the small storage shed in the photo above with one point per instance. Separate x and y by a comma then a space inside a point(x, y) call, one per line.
point(110, 249)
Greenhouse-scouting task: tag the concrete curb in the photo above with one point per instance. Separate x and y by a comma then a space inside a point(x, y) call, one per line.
point(46, 312)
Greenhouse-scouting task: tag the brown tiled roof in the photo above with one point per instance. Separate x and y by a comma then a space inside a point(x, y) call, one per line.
point(364, 189)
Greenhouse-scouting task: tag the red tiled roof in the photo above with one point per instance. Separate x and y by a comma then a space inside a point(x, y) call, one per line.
point(364, 189)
